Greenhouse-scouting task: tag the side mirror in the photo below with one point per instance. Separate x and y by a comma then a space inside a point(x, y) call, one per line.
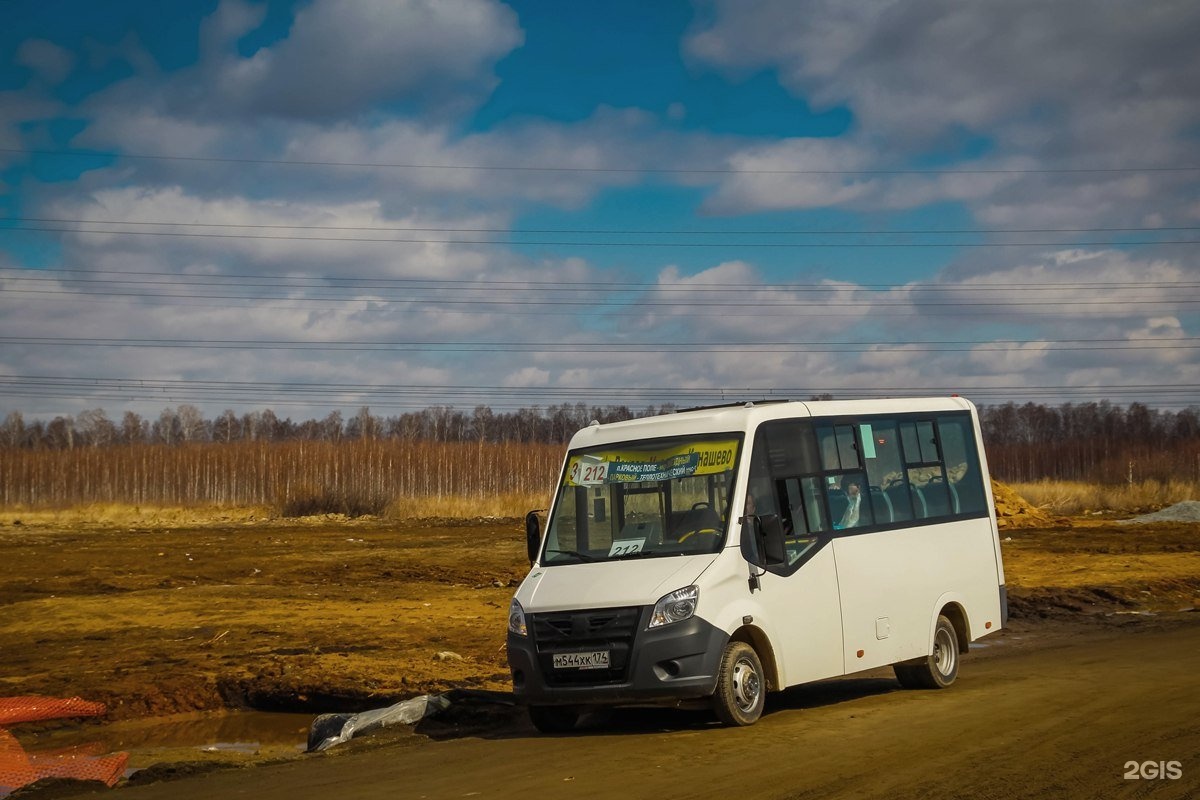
point(533, 535)
point(762, 540)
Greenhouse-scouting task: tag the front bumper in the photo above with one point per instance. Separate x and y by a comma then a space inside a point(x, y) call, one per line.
point(674, 662)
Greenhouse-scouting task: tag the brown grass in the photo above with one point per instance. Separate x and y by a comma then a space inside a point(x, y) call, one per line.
point(508, 505)
point(1072, 498)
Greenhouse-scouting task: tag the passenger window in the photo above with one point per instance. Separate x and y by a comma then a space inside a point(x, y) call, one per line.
point(920, 442)
point(926, 478)
point(963, 480)
point(890, 500)
point(838, 449)
point(849, 506)
point(803, 511)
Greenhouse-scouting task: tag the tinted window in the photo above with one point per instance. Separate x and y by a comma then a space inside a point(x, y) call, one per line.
point(962, 465)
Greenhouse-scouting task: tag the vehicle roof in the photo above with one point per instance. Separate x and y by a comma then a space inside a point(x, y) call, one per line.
point(746, 417)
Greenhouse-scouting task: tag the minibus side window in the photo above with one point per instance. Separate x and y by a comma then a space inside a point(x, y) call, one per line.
point(839, 451)
point(925, 471)
point(890, 498)
point(962, 465)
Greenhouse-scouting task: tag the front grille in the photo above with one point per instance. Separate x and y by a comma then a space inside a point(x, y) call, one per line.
point(611, 629)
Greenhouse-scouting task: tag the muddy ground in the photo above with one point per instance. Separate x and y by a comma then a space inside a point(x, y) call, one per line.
point(330, 614)
point(346, 615)
point(334, 614)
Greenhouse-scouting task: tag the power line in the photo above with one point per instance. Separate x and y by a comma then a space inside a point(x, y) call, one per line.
point(577, 169)
point(398, 396)
point(491, 283)
point(1062, 309)
point(1102, 345)
point(638, 303)
point(286, 282)
point(510, 243)
point(609, 231)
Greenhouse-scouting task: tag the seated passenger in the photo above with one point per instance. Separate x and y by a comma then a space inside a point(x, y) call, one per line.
point(853, 489)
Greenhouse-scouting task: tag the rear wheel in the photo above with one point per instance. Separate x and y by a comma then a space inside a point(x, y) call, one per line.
point(554, 719)
point(937, 670)
point(741, 687)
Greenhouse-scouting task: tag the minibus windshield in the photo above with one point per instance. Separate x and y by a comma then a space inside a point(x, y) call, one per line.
point(642, 499)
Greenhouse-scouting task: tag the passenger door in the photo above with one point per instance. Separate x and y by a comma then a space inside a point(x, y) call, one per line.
point(800, 595)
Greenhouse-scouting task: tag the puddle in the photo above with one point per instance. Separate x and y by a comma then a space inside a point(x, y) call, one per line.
point(218, 737)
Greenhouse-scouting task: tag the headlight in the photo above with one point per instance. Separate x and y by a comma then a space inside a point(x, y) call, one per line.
point(675, 607)
point(516, 619)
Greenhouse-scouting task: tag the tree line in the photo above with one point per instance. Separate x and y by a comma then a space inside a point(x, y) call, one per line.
point(1096, 441)
point(186, 424)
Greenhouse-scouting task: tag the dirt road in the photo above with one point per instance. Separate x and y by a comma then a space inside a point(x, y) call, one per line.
point(1049, 711)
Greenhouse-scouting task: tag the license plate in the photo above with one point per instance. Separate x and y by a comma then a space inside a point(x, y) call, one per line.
point(595, 659)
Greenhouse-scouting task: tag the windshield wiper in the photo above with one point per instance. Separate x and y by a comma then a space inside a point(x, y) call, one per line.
point(639, 554)
point(576, 553)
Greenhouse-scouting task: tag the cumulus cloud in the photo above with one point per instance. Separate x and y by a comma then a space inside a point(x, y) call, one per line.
point(1062, 85)
point(342, 59)
point(922, 68)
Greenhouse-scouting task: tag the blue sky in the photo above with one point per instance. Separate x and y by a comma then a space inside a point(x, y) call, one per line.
point(317, 205)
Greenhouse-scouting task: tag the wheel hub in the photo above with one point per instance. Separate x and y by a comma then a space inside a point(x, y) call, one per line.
point(746, 685)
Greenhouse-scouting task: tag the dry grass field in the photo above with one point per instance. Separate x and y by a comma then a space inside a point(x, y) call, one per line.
point(1075, 498)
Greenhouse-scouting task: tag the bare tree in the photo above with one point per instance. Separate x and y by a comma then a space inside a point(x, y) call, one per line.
point(96, 428)
point(134, 429)
point(365, 425)
point(167, 428)
point(192, 427)
point(226, 427)
point(12, 433)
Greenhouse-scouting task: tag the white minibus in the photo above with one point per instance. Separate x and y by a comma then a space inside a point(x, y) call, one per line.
point(717, 554)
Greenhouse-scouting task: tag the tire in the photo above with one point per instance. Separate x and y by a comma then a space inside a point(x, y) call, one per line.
point(937, 670)
point(554, 719)
point(741, 686)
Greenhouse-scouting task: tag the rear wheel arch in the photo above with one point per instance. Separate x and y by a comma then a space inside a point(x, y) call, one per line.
point(957, 615)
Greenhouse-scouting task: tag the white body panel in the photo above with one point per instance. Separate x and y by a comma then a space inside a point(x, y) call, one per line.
point(807, 618)
point(906, 579)
point(612, 584)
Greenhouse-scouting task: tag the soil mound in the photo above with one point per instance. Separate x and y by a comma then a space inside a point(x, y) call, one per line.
point(1014, 511)
point(1187, 511)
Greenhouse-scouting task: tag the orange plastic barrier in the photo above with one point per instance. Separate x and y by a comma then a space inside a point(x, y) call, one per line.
point(18, 768)
point(32, 708)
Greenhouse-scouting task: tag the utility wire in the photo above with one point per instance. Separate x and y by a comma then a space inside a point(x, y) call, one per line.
point(510, 243)
point(499, 397)
point(490, 283)
point(1103, 345)
point(617, 170)
point(608, 231)
point(639, 303)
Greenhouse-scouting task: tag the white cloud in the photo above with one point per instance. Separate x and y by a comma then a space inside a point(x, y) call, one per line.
point(342, 59)
point(921, 68)
point(49, 62)
point(1060, 85)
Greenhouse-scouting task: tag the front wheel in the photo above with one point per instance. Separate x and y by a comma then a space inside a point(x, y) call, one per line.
point(741, 687)
point(937, 670)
